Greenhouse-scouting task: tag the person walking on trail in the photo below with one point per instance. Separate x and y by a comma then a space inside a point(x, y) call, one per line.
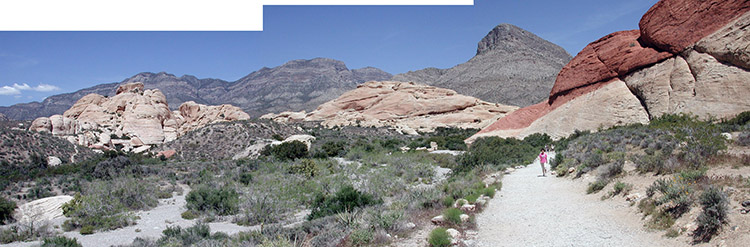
point(543, 160)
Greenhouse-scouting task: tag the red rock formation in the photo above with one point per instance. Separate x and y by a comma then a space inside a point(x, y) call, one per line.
point(673, 25)
point(613, 55)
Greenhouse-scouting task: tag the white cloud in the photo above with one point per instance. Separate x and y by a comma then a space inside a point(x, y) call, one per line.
point(7, 90)
point(17, 88)
point(46, 88)
point(21, 86)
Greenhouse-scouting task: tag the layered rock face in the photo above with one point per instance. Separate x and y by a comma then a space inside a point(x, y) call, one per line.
point(409, 107)
point(688, 57)
point(137, 117)
point(512, 66)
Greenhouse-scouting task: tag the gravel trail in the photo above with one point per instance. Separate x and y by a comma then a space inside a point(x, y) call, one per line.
point(531, 210)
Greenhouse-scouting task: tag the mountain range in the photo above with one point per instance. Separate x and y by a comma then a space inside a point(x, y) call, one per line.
point(512, 66)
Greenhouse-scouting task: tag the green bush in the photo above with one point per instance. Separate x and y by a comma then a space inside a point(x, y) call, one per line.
point(188, 215)
point(596, 186)
point(60, 241)
point(361, 237)
point(489, 191)
point(176, 236)
point(714, 215)
point(222, 201)
point(345, 200)
point(287, 150)
point(448, 201)
point(675, 192)
point(500, 152)
point(334, 148)
point(6, 210)
point(439, 237)
point(452, 215)
point(87, 229)
point(305, 167)
point(246, 178)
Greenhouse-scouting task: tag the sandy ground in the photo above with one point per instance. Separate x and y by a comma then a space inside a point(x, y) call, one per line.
point(150, 225)
point(531, 210)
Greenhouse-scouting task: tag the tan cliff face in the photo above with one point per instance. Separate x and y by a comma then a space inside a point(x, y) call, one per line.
point(407, 106)
point(695, 60)
point(136, 117)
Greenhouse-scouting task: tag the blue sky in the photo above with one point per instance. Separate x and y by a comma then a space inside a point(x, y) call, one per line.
point(397, 39)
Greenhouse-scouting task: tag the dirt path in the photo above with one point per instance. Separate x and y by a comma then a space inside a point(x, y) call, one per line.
point(547, 211)
point(150, 225)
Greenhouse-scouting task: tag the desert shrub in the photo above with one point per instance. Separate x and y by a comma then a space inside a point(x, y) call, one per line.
point(621, 187)
point(489, 191)
point(191, 236)
point(736, 122)
point(105, 204)
point(188, 215)
point(452, 215)
point(361, 237)
point(346, 199)
point(714, 215)
point(497, 151)
point(448, 201)
point(111, 167)
point(439, 237)
point(221, 201)
point(334, 148)
point(60, 241)
point(286, 151)
point(387, 220)
point(559, 159)
point(596, 186)
point(6, 210)
point(743, 139)
point(305, 167)
point(87, 229)
point(246, 178)
point(675, 193)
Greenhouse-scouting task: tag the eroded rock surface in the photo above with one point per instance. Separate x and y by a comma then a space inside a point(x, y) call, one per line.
point(407, 106)
point(133, 118)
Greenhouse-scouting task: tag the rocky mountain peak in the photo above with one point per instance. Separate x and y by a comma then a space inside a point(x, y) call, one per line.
point(508, 37)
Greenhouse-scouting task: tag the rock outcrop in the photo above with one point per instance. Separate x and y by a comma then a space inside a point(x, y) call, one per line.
point(673, 25)
point(409, 107)
point(512, 66)
point(689, 57)
point(41, 210)
point(134, 117)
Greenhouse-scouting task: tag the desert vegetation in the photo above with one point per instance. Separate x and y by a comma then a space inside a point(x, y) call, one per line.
point(677, 150)
point(355, 186)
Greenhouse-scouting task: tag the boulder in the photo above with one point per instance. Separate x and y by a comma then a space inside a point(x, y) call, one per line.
point(134, 87)
point(41, 124)
point(468, 208)
point(437, 220)
point(141, 149)
point(673, 25)
point(167, 153)
point(455, 234)
point(40, 210)
point(464, 217)
point(53, 161)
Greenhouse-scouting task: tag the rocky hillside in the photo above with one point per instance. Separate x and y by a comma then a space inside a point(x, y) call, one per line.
point(512, 66)
point(407, 106)
point(133, 118)
point(295, 86)
point(687, 57)
point(21, 147)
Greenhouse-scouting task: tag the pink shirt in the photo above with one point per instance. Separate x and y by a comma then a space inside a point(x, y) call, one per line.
point(543, 158)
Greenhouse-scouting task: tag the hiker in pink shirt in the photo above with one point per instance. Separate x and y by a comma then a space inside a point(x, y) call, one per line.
point(543, 160)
